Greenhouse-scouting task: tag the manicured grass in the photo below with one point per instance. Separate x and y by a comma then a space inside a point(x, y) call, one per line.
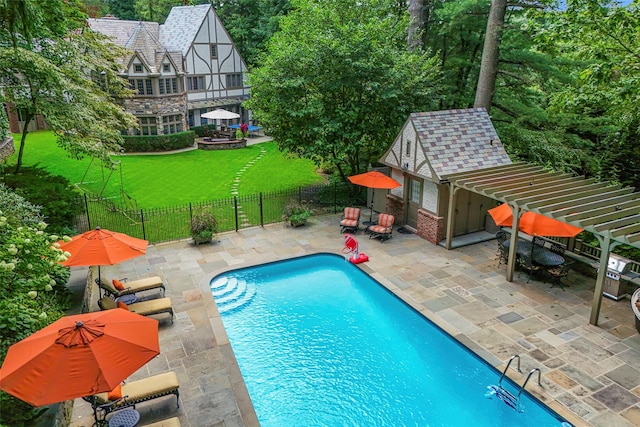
point(172, 179)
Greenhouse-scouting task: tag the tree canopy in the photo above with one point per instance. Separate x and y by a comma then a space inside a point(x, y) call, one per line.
point(61, 70)
point(337, 81)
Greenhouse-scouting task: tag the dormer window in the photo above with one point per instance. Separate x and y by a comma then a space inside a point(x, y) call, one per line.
point(137, 68)
point(166, 68)
point(214, 51)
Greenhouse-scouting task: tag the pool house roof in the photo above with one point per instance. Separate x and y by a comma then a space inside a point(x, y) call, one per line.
point(610, 211)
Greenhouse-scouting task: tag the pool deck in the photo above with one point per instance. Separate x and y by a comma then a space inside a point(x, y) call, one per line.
point(590, 374)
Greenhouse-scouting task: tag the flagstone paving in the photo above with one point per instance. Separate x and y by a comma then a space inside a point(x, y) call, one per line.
point(589, 373)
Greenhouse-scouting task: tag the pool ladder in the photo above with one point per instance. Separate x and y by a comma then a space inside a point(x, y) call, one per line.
point(504, 394)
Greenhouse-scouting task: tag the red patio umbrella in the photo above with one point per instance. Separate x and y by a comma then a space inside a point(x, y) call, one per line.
point(79, 355)
point(374, 179)
point(533, 223)
point(102, 247)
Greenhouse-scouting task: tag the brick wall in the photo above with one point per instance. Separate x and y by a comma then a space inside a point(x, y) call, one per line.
point(395, 207)
point(430, 226)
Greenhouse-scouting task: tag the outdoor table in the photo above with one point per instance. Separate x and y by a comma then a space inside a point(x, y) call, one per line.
point(125, 418)
point(541, 255)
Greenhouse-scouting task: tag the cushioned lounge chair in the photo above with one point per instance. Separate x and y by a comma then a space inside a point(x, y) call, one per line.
point(170, 422)
point(138, 391)
point(144, 308)
point(383, 228)
point(130, 287)
point(350, 220)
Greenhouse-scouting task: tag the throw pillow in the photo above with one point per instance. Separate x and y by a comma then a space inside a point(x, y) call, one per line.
point(116, 393)
point(118, 285)
point(123, 305)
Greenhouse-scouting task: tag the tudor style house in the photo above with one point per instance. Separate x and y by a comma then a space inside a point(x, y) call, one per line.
point(179, 70)
point(429, 147)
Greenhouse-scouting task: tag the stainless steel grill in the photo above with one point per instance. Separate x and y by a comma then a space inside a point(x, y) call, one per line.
point(615, 286)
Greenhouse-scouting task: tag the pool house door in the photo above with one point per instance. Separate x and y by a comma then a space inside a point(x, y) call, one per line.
point(414, 199)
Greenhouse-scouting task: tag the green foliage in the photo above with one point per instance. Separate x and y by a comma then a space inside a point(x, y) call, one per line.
point(200, 130)
point(296, 212)
point(203, 226)
point(338, 82)
point(46, 70)
point(150, 143)
point(33, 289)
point(54, 194)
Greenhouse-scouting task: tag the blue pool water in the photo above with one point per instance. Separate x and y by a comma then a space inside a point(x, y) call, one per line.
point(320, 343)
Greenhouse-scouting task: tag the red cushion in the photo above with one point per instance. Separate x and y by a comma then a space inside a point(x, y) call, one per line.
point(118, 285)
point(122, 305)
point(116, 393)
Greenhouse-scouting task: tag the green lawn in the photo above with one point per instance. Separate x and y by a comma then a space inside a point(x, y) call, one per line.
point(173, 179)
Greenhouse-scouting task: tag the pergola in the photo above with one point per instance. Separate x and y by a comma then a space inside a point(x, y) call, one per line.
point(609, 211)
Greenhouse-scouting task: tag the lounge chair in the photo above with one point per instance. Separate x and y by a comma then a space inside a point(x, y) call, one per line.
point(135, 392)
point(130, 287)
point(350, 220)
point(144, 308)
point(383, 228)
point(169, 422)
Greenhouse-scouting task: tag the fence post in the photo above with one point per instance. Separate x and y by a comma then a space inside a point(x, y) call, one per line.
point(300, 195)
point(235, 210)
point(86, 207)
point(144, 233)
point(261, 212)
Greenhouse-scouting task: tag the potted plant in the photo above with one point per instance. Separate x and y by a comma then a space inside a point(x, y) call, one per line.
point(296, 213)
point(203, 227)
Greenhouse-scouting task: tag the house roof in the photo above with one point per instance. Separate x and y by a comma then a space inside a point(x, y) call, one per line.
point(182, 25)
point(459, 140)
point(140, 37)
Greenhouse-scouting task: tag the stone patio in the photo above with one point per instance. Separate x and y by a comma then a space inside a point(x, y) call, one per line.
point(590, 374)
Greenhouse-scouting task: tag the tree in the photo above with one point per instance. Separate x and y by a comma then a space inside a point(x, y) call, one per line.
point(123, 9)
point(47, 71)
point(337, 82)
point(490, 55)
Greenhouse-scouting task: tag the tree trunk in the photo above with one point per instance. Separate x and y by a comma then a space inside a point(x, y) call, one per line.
point(23, 140)
point(416, 24)
point(490, 55)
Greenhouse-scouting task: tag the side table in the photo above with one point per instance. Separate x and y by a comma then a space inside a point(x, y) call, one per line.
point(125, 418)
point(128, 299)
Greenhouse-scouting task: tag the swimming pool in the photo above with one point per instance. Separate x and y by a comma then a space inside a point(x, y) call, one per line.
point(320, 343)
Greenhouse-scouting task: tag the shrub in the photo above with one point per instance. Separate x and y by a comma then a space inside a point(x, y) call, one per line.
point(151, 143)
point(55, 195)
point(296, 213)
point(203, 226)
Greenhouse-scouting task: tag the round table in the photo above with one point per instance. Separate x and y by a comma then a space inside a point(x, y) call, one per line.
point(125, 418)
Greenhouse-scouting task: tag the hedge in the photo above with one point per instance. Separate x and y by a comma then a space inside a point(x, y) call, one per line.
point(149, 143)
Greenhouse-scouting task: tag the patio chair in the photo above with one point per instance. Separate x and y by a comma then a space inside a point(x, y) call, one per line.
point(557, 273)
point(525, 261)
point(130, 287)
point(383, 228)
point(134, 392)
point(350, 220)
point(143, 308)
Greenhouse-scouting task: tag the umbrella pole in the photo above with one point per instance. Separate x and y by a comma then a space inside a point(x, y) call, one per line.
point(373, 194)
point(99, 285)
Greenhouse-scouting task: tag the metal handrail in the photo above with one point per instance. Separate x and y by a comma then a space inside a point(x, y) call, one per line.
point(515, 356)
point(527, 380)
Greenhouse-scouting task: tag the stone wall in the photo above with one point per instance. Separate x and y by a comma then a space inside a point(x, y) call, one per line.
point(222, 145)
point(430, 226)
point(158, 107)
point(6, 148)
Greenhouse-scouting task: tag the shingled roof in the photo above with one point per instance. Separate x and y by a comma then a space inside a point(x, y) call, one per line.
point(459, 140)
point(446, 142)
point(181, 26)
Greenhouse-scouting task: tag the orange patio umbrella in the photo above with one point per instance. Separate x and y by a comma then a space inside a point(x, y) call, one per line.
point(79, 355)
point(102, 247)
point(374, 179)
point(533, 223)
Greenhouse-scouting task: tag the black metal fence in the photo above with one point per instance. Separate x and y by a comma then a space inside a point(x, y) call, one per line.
point(233, 213)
